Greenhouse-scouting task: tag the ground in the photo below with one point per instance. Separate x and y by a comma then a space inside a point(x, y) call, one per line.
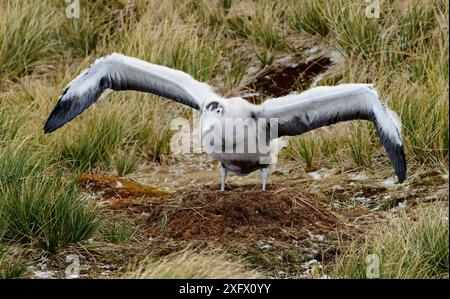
point(297, 226)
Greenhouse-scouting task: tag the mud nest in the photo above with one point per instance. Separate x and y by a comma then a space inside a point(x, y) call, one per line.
point(244, 217)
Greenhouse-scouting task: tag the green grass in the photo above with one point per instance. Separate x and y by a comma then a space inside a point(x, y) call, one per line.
point(118, 232)
point(93, 28)
point(149, 130)
point(356, 35)
point(37, 206)
point(406, 247)
point(126, 162)
point(27, 40)
point(95, 141)
point(10, 269)
point(265, 57)
point(10, 266)
point(9, 127)
point(360, 144)
point(309, 16)
point(267, 28)
point(17, 164)
point(303, 149)
point(408, 45)
point(235, 73)
point(332, 151)
point(47, 213)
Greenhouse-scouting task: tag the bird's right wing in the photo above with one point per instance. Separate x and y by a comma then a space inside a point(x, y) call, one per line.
point(327, 105)
point(119, 72)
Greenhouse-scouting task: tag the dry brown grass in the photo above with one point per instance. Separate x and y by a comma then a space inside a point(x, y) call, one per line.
point(191, 264)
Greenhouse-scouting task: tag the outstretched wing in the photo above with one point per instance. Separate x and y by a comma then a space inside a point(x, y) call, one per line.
point(119, 72)
point(327, 105)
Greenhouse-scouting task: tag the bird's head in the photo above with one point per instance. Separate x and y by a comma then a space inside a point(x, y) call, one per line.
point(213, 108)
point(211, 113)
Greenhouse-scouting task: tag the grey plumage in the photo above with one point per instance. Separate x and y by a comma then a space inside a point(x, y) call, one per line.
point(295, 114)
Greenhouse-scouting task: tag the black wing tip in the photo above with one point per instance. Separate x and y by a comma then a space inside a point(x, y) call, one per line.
point(396, 155)
point(56, 119)
point(399, 163)
point(49, 128)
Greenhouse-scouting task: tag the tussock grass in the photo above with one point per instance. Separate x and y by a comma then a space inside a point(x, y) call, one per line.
point(27, 41)
point(191, 264)
point(114, 134)
point(9, 268)
point(355, 34)
point(305, 150)
point(360, 144)
point(406, 48)
point(9, 127)
point(16, 164)
point(117, 232)
point(405, 54)
point(266, 27)
point(99, 22)
point(37, 206)
point(149, 130)
point(407, 247)
point(126, 162)
point(94, 142)
point(48, 213)
point(310, 16)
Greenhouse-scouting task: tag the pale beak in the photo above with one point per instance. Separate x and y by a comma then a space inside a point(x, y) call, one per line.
point(208, 126)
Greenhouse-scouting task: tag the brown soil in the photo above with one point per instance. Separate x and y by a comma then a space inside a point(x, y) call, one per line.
point(280, 80)
point(244, 215)
point(248, 217)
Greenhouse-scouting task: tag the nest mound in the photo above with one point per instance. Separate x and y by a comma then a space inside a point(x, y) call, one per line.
point(244, 217)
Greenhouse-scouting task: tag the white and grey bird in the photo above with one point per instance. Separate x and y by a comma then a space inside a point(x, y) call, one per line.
point(295, 114)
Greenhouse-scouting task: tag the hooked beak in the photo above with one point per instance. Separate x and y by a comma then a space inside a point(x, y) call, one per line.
point(208, 126)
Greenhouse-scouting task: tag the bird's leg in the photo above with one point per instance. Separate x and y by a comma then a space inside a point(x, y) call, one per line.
point(223, 176)
point(264, 178)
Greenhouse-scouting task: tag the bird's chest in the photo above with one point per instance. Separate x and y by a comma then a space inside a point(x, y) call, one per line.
point(240, 153)
point(236, 136)
point(241, 144)
point(240, 164)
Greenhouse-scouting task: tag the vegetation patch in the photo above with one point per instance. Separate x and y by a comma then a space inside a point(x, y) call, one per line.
point(407, 247)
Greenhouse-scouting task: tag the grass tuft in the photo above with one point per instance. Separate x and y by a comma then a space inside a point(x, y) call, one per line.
point(39, 207)
point(27, 40)
point(309, 16)
point(118, 232)
point(192, 264)
point(406, 247)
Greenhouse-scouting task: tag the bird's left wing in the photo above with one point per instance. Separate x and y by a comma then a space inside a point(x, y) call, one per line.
point(119, 72)
point(327, 105)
